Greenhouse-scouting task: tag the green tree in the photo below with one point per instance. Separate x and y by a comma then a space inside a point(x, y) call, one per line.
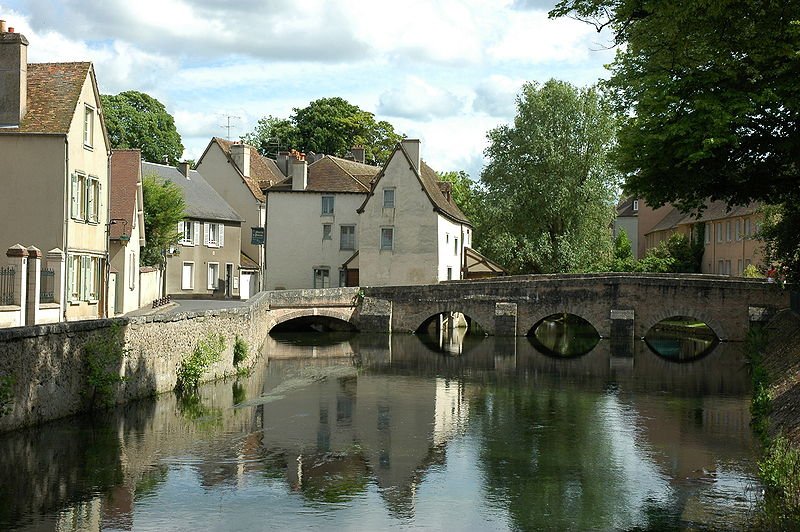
point(549, 186)
point(328, 125)
point(163, 209)
point(677, 254)
point(781, 235)
point(467, 194)
point(622, 260)
point(137, 120)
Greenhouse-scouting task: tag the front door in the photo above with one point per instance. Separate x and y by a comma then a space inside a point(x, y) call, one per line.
point(228, 280)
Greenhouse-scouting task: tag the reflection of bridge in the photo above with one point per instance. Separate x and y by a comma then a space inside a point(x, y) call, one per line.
point(618, 305)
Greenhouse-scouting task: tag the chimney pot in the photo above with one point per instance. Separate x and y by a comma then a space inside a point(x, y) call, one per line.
point(2, 26)
point(11, 30)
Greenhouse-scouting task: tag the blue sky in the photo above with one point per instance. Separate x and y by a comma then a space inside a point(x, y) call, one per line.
point(444, 71)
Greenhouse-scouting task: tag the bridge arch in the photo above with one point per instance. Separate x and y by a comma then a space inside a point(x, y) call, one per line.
point(410, 317)
point(281, 316)
point(645, 323)
point(596, 314)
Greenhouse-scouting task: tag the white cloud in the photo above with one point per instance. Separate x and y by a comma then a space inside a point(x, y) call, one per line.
point(417, 99)
point(496, 96)
point(530, 36)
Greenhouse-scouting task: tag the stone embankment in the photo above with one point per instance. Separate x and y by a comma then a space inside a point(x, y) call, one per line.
point(781, 360)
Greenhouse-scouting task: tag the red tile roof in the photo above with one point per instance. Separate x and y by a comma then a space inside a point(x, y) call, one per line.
point(333, 174)
point(53, 93)
point(264, 172)
point(125, 178)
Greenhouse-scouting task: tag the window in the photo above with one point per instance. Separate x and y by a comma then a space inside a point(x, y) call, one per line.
point(213, 275)
point(388, 198)
point(387, 237)
point(327, 205)
point(455, 246)
point(214, 235)
point(88, 126)
point(727, 267)
point(719, 232)
point(347, 239)
point(187, 276)
point(322, 277)
point(747, 228)
point(327, 230)
point(635, 205)
point(721, 267)
point(74, 279)
point(739, 267)
point(342, 277)
point(708, 230)
point(84, 278)
point(78, 203)
point(449, 273)
point(92, 199)
point(728, 231)
point(738, 230)
point(189, 231)
point(85, 198)
point(133, 270)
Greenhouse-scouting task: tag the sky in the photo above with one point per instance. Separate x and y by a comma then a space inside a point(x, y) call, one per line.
point(444, 71)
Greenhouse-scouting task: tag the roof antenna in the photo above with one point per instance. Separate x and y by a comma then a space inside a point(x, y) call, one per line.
point(227, 126)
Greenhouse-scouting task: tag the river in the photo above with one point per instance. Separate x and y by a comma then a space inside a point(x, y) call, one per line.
point(373, 432)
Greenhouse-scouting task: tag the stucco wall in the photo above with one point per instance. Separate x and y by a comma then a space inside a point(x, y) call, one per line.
point(201, 255)
point(451, 240)
point(294, 234)
point(127, 297)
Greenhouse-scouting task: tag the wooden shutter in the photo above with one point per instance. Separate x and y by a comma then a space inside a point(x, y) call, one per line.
point(76, 206)
point(196, 233)
point(221, 234)
point(205, 233)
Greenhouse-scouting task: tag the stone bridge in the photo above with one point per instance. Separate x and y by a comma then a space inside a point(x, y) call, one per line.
point(615, 304)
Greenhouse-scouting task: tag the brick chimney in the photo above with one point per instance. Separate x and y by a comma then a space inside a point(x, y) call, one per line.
point(185, 167)
point(240, 153)
point(359, 153)
point(298, 170)
point(412, 149)
point(13, 76)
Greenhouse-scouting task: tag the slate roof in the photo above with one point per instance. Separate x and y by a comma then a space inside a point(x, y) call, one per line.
point(264, 172)
point(625, 207)
point(334, 174)
point(53, 93)
point(202, 201)
point(125, 176)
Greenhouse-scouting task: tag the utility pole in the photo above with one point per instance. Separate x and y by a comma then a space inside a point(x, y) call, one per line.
point(227, 126)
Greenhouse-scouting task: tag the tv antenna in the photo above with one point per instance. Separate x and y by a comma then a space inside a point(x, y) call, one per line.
point(227, 126)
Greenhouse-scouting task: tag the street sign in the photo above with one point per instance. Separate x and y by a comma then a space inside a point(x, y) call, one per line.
point(257, 236)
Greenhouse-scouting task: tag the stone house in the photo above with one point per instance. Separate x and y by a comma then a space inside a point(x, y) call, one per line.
point(54, 155)
point(312, 223)
point(410, 231)
point(240, 174)
point(206, 262)
point(126, 231)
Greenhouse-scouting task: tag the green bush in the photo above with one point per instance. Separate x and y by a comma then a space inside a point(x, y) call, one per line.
point(780, 472)
point(677, 254)
point(190, 370)
point(103, 355)
point(752, 272)
point(240, 351)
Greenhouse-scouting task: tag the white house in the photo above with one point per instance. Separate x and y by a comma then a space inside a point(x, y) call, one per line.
point(410, 230)
point(312, 223)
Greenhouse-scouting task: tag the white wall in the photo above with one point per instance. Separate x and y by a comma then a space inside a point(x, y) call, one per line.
point(294, 237)
point(452, 238)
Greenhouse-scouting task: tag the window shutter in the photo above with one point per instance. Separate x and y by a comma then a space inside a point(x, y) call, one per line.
point(196, 233)
point(221, 234)
point(84, 278)
point(181, 232)
point(205, 233)
point(210, 278)
point(75, 197)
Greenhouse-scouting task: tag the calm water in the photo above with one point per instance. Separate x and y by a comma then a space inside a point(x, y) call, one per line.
point(376, 432)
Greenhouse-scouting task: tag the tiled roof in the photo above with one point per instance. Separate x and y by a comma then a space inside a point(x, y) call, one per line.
point(125, 176)
point(53, 93)
point(246, 263)
point(202, 201)
point(716, 210)
point(264, 172)
point(625, 207)
point(333, 174)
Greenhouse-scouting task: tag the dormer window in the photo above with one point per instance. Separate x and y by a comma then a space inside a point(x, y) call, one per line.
point(635, 205)
point(88, 126)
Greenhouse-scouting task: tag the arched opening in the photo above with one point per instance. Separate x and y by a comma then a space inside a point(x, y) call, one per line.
point(681, 338)
point(452, 333)
point(313, 330)
point(563, 335)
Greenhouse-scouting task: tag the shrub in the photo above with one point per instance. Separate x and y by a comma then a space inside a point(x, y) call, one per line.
point(752, 272)
point(103, 355)
point(240, 351)
point(190, 369)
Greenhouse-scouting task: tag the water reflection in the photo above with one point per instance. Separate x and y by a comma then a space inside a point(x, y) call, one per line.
point(564, 335)
point(378, 432)
point(681, 339)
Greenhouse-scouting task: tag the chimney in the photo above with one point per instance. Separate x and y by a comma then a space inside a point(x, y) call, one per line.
point(359, 153)
point(13, 76)
point(446, 188)
point(282, 160)
point(240, 153)
point(184, 167)
point(412, 149)
point(298, 171)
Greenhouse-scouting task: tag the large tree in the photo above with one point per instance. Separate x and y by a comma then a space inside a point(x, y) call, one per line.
point(137, 120)
point(710, 94)
point(328, 125)
point(163, 209)
point(550, 187)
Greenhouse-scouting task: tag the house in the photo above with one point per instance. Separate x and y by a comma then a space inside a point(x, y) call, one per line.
point(126, 231)
point(410, 230)
point(628, 220)
point(207, 260)
point(240, 174)
point(312, 223)
point(54, 155)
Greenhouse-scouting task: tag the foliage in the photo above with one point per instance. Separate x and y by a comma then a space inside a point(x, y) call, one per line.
point(328, 125)
point(751, 272)
point(240, 351)
point(467, 194)
point(163, 209)
point(137, 120)
point(780, 473)
point(711, 103)
point(677, 254)
point(7, 383)
point(781, 237)
point(190, 370)
point(550, 189)
point(192, 408)
point(622, 260)
point(103, 354)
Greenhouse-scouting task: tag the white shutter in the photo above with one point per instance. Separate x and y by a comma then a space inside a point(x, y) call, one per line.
point(180, 232)
point(84, 278)
point(221, 234)
point(205, 233)
point(75, 209)
point(196, 233)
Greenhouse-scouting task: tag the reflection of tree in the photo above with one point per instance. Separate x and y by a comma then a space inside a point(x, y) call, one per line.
point(192, 408)
point(549, 457)
point(565, 335)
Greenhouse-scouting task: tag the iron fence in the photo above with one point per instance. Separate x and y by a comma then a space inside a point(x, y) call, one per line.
point(47, 286)
point(8, 276)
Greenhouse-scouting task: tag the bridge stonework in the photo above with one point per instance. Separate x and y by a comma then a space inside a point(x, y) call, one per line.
point(511, 306)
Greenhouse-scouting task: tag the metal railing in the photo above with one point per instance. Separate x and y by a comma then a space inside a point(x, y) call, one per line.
point(47, 286)
point(8, 277)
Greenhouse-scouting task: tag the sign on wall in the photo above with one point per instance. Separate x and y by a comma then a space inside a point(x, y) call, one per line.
point(257, 236)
